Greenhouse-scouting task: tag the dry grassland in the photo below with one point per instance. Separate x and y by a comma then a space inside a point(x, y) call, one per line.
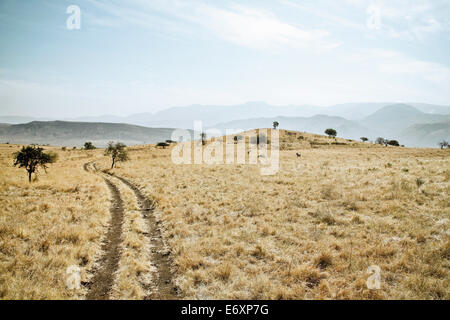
point(308, 232)
point(45, 227)
point(312, 230)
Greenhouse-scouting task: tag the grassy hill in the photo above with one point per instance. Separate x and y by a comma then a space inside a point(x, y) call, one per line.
point(316, 124)
point(62, 133)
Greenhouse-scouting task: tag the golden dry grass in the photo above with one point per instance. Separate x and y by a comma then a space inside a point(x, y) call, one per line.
point(308, 232)
point(312, 230)
point(47, 226)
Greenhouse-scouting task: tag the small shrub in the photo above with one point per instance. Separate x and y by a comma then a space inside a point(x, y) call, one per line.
point(162, 145)
point(89, 146)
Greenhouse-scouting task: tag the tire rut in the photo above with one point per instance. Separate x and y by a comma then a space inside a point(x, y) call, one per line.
point(101, 283)
point(165, 289)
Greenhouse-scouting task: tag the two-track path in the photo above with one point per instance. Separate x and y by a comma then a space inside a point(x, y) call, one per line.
point(102, 281)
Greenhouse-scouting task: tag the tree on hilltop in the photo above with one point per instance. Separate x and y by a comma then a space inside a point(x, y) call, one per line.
point(331, 133)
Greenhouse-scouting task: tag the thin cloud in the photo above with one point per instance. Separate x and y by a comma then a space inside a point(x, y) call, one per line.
point(253, 28)
point(240, 25)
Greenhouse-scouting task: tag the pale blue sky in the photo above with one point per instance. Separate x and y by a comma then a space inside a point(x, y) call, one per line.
point(146, 55)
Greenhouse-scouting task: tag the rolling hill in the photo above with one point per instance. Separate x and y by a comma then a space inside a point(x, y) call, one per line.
point(62, 133)
point(316, 124)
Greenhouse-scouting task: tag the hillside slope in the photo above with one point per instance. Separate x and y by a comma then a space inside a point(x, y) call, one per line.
point(316, 124)
point(63, 133)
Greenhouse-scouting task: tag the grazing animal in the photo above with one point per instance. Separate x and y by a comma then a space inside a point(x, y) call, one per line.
point(298, 155)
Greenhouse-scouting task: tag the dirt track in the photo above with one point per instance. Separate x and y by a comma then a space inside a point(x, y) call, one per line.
point(164, 288)
point(101, 283)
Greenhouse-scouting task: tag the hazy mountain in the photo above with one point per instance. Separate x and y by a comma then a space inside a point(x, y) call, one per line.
point(20, 119)
point(184, 117)
point(351, 120)
point(62, 133)
point(391, 120)
point(431, 108)
point(316, 124)
point(104, 118)
point(425, 135)
point(354, 111)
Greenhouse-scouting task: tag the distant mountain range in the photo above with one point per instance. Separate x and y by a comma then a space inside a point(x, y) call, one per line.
point(413, 124)
point(183, 117)
point(71, 134)
point(402, 122)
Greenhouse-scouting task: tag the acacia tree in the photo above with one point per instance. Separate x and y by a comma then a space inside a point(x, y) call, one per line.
point(394, 143)
point(162, 145)
point(31, 158)
point(89, 146)
point(331, 133)
point(443, 144)
point(276, 124)
point(364, 139)
point(117, 152)
point(381, 141)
